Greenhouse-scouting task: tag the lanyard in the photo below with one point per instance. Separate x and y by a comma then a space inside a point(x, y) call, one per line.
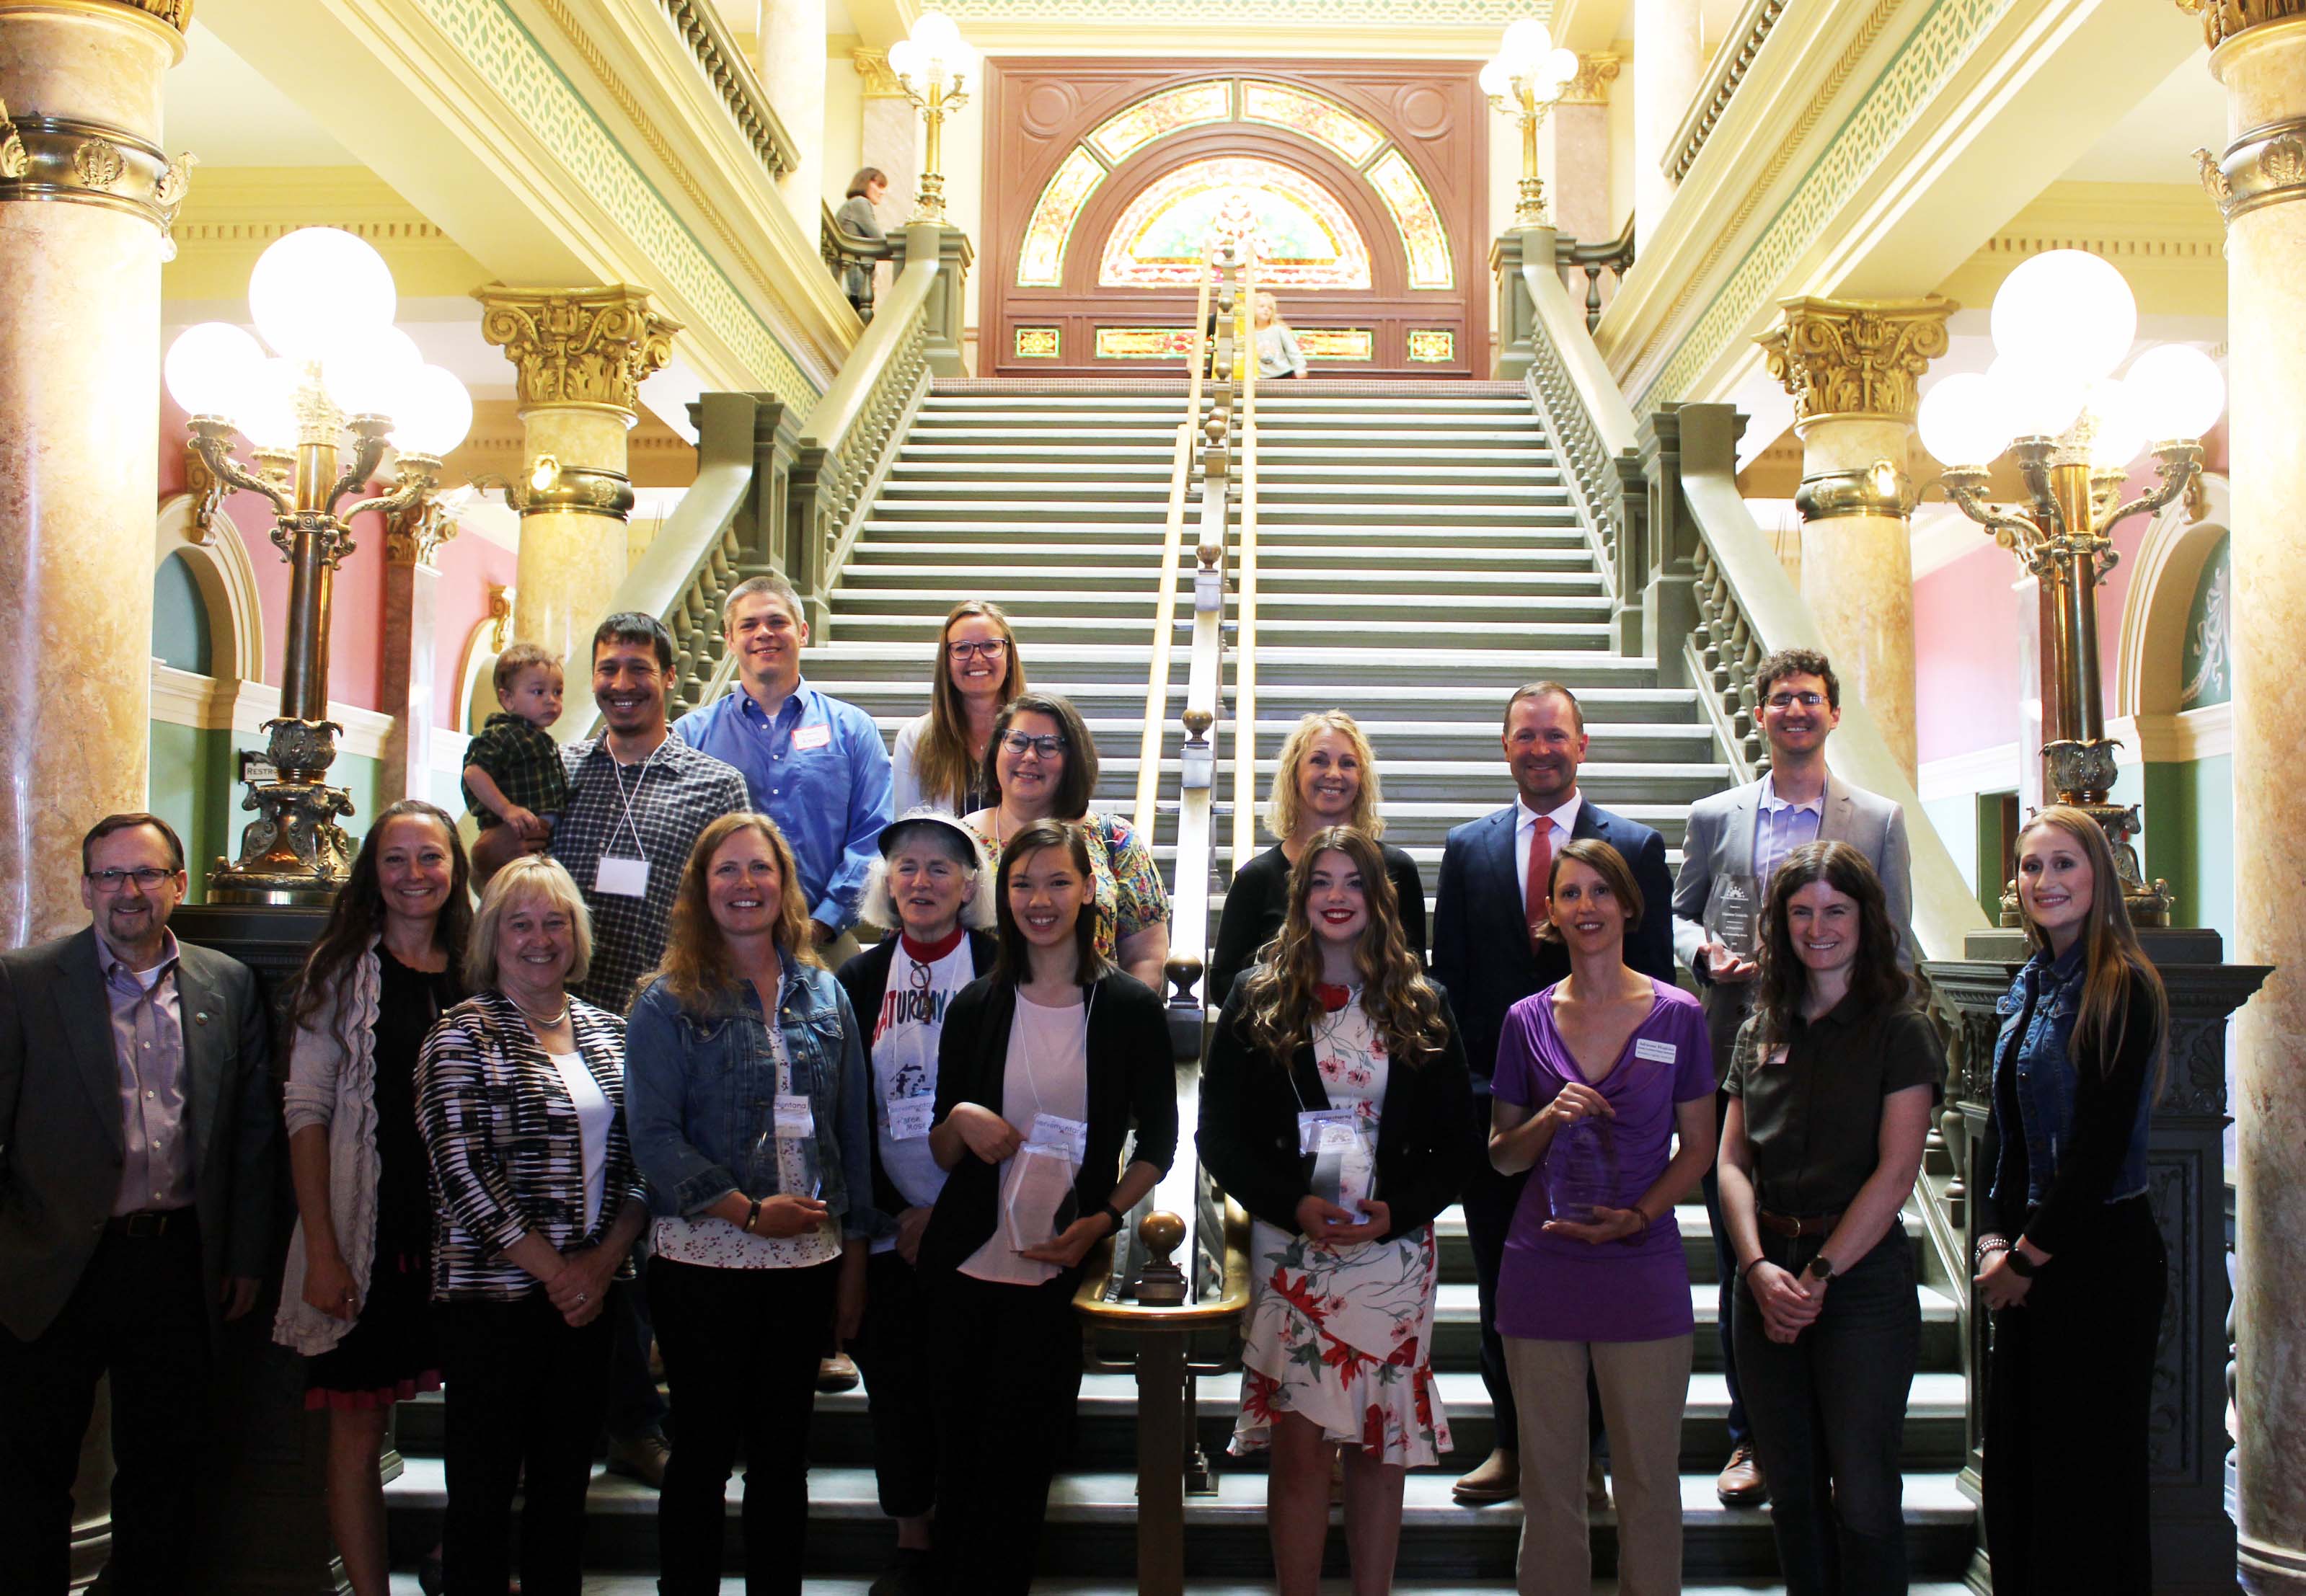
point(640, 847)
point(1088, 1002)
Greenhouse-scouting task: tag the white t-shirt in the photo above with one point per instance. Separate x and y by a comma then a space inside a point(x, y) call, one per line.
point(595, 1115)
point(1046, 1072)
point(905, 1054)
point(714, 1242)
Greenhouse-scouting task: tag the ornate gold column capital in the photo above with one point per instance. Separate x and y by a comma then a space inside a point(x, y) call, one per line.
point(872, 66)
point(1591, 86)
point(1856, 356)
point(2221, 19)
point(577, 345)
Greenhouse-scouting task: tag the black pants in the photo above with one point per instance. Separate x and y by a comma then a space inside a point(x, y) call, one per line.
point(523, 1397)
point(1829, 1416)
point(1725, 1266)
point(894, 1356)
point(1009, 1372)
point(137, 1315)
point(636, 1406)
point(740, 1353)
point(2069, 1380)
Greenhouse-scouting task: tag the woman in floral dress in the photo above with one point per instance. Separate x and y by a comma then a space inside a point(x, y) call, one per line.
point(1336, 1108)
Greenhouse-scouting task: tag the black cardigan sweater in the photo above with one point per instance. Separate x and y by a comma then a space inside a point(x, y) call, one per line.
point(1132, 1076)
point(866, 979)
point(1257, 901)
point(1428, 1141)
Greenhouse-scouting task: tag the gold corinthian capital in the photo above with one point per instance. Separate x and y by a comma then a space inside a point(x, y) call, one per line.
point(577, 345)
point(1856, 356)
point(2221, 19)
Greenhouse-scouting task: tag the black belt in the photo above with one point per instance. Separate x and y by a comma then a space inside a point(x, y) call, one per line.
point(1787, 1224)
point(148, 1224)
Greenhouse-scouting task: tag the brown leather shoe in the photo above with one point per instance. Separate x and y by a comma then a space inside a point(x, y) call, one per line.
point(1496, 1478)
point(835, 1374)
point(642, 1456)
point(1741, 1484)
point(1597, 1487)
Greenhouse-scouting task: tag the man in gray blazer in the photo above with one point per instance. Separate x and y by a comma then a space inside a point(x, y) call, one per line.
point(1742, 836)
point(136, 1192)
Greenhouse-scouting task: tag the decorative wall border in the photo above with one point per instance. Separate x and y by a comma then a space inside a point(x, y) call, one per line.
point(1413, 15)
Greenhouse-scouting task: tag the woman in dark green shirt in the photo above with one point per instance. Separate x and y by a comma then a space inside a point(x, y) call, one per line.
point(1830, 1089)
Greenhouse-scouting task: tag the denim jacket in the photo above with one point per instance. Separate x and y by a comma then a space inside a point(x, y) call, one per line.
point(2040, 1063)
point(701, 1088)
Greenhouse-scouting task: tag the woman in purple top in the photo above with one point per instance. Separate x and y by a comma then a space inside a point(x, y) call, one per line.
point(1596, 1077)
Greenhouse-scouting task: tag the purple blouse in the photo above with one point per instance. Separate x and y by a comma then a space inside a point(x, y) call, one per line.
point(1558, 1288)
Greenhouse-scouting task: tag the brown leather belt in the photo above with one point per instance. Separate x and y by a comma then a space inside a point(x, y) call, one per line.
point(1811, 1225)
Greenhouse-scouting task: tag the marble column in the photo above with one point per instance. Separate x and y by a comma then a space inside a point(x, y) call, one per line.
point(1853, 367)
point(580, 355)
point(1666, 61)
point(1578, 129)
point(2260, 185)
point(891, 140)
point(412, 608)
point(792, 71)
point(86, 200)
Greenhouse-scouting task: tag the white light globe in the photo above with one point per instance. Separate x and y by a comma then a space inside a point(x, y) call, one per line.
point(208, 366)
point(1961, 420)
point(2065, 312)
point(1561, 68)
point(935, 33)
point(1525, 45)
point(439, 412)
point(366, 372)
point(905, 58)
point(2119, 436)
point(2178, 392)
point(2036, 402)
point(265, 411)
point(961, 59)
point(318, 286)
point(1495, 79)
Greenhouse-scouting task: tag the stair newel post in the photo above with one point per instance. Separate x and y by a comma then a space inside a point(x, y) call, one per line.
point(1670, 615)
point(808, 532)
point(1516, 311)
point(944, 316)
point(775, 436)
point(1628, 539)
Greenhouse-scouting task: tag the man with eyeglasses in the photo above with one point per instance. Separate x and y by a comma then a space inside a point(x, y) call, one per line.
point(136, 1184)
point(813, 764)
point(1734, 843)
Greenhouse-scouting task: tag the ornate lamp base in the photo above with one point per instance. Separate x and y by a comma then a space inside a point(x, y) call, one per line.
point(294, 852)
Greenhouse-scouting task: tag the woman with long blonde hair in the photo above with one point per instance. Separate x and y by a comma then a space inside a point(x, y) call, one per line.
point(2069, 1259)
point(1336, 1108)
point(939, 759)
point(1326, 777)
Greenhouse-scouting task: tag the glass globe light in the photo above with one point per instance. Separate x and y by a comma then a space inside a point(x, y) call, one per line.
point(2035, 401)
point(1525, 45)
point(2119, 436)
point(1961, 420)
point(1497, 78)
point(905, 58)
point(2178, 392)
point(961, 59)
point(366, 372)
point(436, 415)
point(265, 411)
point(318, 286)
point(935, 33)
point(2065, 312)
point(209, 366)
point(1560, 69)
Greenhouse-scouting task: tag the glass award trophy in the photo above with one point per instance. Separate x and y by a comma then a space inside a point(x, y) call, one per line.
point(1038, 1199)
point(1733, 914)
point(1581, 1171)
point(1345, 1163)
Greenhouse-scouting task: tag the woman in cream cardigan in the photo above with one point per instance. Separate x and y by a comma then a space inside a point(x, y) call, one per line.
point(356, 1298)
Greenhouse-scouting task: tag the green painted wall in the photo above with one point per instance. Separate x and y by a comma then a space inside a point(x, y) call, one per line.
point(2188, 839)
point(180, 620)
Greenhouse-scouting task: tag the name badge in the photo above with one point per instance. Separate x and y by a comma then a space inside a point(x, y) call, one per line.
point(1059, 1134)
point(812, 737)
point(621, 878)
point(909, 1117)
point(1649, 1048)
point(1326, 1130)
point(795, 1117)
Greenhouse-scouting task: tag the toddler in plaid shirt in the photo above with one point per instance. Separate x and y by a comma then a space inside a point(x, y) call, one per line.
point(514, 780)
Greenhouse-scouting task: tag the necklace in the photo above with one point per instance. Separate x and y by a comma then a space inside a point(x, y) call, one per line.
point(543, 1025)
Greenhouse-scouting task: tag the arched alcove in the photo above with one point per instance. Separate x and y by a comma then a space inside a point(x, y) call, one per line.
point(2151, 679)
point(216, 560)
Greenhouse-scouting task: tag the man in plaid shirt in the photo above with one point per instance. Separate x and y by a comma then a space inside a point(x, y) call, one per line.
point(638, 799)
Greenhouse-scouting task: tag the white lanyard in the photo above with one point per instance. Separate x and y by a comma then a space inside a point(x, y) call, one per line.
point(640, 847)
point(1088, 1002)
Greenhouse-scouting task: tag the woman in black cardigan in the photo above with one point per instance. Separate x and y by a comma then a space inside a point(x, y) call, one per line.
point(1041, 1069)
point(1326, 776)
point(1336, 1108)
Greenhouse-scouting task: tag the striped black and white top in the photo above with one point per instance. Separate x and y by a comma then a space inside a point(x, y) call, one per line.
point(503, 1143)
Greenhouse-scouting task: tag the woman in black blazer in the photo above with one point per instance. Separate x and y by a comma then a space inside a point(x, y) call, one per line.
point(1336, 1108)
point(1041, 1067)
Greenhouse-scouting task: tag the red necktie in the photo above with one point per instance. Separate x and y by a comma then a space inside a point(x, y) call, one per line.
point(1540, 871)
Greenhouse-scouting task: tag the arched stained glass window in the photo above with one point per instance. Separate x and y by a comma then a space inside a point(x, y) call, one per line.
point(1305, 236)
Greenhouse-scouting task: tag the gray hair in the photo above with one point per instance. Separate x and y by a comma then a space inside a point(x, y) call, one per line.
point(879, 906)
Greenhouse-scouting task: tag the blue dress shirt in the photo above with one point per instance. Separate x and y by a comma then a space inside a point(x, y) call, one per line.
point(821, 772)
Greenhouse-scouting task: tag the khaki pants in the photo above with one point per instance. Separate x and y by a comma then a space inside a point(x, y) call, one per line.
point(1643, 1386)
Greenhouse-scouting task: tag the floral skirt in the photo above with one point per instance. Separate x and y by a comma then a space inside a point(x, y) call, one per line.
point(1344, 1338)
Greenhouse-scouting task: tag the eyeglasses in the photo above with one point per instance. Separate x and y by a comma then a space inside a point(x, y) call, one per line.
point(1788, 700)
point(1017, 742)
point(147, 877)
point(992, 648)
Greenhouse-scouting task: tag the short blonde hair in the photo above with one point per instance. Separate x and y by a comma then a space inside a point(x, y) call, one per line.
point(531, 875)
point(1281, 808)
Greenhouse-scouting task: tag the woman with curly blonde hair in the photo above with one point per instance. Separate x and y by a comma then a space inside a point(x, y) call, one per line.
point(1326, 776)
point(746, 1094)
point(1336, 1108)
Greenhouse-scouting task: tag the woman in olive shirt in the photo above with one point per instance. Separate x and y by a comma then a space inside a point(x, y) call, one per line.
point(1830, 1089)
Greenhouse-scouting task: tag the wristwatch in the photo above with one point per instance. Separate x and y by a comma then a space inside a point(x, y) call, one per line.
point(1821, 1267)
point(1113, 1214)
point(2024, 1267)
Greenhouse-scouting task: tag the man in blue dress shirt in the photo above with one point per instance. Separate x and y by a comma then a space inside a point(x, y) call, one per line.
point(814, 766)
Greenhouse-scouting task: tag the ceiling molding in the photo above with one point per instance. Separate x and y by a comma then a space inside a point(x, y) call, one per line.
point(233, 213)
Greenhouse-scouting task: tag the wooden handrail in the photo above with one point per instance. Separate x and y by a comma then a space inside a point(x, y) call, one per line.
point(1172, 537)
point(1244, 657)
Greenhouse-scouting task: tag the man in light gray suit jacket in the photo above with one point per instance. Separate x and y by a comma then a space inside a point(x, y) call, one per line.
point(1746, 832)
point(136, 1197)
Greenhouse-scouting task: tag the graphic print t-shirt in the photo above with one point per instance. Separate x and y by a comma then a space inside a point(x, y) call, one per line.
point(904, 1049)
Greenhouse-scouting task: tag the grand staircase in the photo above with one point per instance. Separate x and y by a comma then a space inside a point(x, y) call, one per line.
point(1418, 558)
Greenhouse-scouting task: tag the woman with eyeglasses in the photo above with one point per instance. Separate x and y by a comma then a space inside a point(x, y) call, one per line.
point(939, 757)
point(1041, 765)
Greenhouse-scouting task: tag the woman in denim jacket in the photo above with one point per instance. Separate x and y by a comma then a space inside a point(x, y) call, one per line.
point(2069, 1259)
point(747, 1094)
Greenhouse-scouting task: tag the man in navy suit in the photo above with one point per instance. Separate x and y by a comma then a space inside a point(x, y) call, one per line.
point(1491, 897)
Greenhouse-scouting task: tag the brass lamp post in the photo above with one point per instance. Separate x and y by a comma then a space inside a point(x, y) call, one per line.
point(2061, 322)
point(1524, 80)
point(932, 65)
point(323, 300)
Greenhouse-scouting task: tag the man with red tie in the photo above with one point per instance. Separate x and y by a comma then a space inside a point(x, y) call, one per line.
point(1490, 899)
